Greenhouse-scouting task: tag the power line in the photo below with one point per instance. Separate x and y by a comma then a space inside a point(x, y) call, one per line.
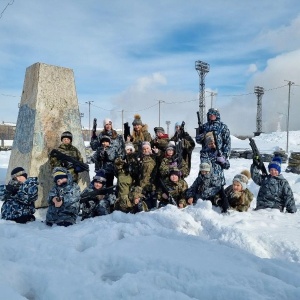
point(9, 3)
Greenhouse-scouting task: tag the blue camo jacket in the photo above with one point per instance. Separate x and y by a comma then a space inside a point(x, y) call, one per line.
point(69, 210)
point(22, 203)
point(274, 192)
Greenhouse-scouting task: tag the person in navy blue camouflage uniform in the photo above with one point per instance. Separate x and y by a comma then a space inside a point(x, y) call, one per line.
point(63, 199)
point(221, 130)
point(209, 155)
point(274, 191)
point(99, 205)
point(206, 186)
point(116, 139)
point(105, 157)
point(19, 196)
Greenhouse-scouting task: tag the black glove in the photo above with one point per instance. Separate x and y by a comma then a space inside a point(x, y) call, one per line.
point(256, 162)
point(66, 164)
point(13, 188)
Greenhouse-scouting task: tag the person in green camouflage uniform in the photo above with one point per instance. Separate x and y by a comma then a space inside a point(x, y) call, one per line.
point(134, 203)
point(128, 172)
point(239, 197)
point(67, 148)
point(171, 160)
point(175, 190)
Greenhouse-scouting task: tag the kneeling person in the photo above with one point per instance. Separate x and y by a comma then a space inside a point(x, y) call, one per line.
point(19, 196)
point(94, 203)
point(63, 199)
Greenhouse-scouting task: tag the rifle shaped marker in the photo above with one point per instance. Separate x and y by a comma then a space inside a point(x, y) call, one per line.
point(86, 196)
point(61, 156)
point(94, 135)
point(126, 131)
point(225, 203)
point(257, 157)
point(166, 191)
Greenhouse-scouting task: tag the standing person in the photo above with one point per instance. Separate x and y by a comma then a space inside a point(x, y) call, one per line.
point(221, 131)
point(116, 139)
point(63, 199)
point(238, 195)
point(207, 186)
point(188, 143)
point(97, 205)
point(19, 196)
point(67, 148)
point(139, 134)
point(274, 191)
point(105, 157)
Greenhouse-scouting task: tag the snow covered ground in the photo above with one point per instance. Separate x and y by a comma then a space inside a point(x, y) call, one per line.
point(193, 253)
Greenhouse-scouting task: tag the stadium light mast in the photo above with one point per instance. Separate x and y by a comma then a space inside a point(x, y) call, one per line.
point(202, 68)
point(259, 91)
point(288, 115)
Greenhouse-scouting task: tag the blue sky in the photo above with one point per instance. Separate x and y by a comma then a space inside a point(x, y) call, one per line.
point(128, 55)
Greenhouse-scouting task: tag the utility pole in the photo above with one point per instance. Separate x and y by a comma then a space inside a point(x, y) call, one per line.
point(159, 102)
point(288, 115)
point(168, 124)
point(212, 94)
point(89, 103)
point(258, 91)
point(122, 122)
point(202, 68)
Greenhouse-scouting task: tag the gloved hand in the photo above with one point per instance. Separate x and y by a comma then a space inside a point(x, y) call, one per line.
point(78, 169)
point(221, 159)
point(13, 187)
point(200, 138)
point(256, 162)
point(66, 164)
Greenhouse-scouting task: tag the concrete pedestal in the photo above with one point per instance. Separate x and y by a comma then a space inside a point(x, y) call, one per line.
point(48, 107)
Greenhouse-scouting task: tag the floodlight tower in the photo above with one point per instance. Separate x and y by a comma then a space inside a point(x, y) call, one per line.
point(202, 68)
point(259, 91)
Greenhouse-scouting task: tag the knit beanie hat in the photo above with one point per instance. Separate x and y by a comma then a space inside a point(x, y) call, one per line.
point(174, 171)
point(59, 174)
point(107, 121)
point(159, 129)
point(205, 167)
point(66, 134)
point(275, 163)
point(242, 178)
point(137, 120)
point(171, 146)
point(105, 138)
point(129, 146)
point(137, 192)
point(100, 176)
point(19, 171)
point(146, 143)
point(177, 124)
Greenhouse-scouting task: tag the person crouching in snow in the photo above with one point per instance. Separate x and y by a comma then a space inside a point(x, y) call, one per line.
point(63, 199)
point(173, 190)
point(239, 197)
point(206, 186)
point(19, 196)
point(275, 191)
point(96, 205)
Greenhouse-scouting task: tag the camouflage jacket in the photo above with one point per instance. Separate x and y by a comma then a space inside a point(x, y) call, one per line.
point(239, 201)
point(69, 209)
point(205, 187)
point(187, 141)
point(147, 173)
point(69, 150)
point(117, 141)
point(98, 206)
point(172, 162)
point(175, 189)
point(210, 156)
point(21, 202)
point(222, 134)
point(274, 192)
point(105, 158)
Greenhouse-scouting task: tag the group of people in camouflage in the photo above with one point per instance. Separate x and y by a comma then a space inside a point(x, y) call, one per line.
point(149, 172)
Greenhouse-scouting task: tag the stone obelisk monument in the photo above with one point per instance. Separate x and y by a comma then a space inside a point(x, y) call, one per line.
point(48, 107)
